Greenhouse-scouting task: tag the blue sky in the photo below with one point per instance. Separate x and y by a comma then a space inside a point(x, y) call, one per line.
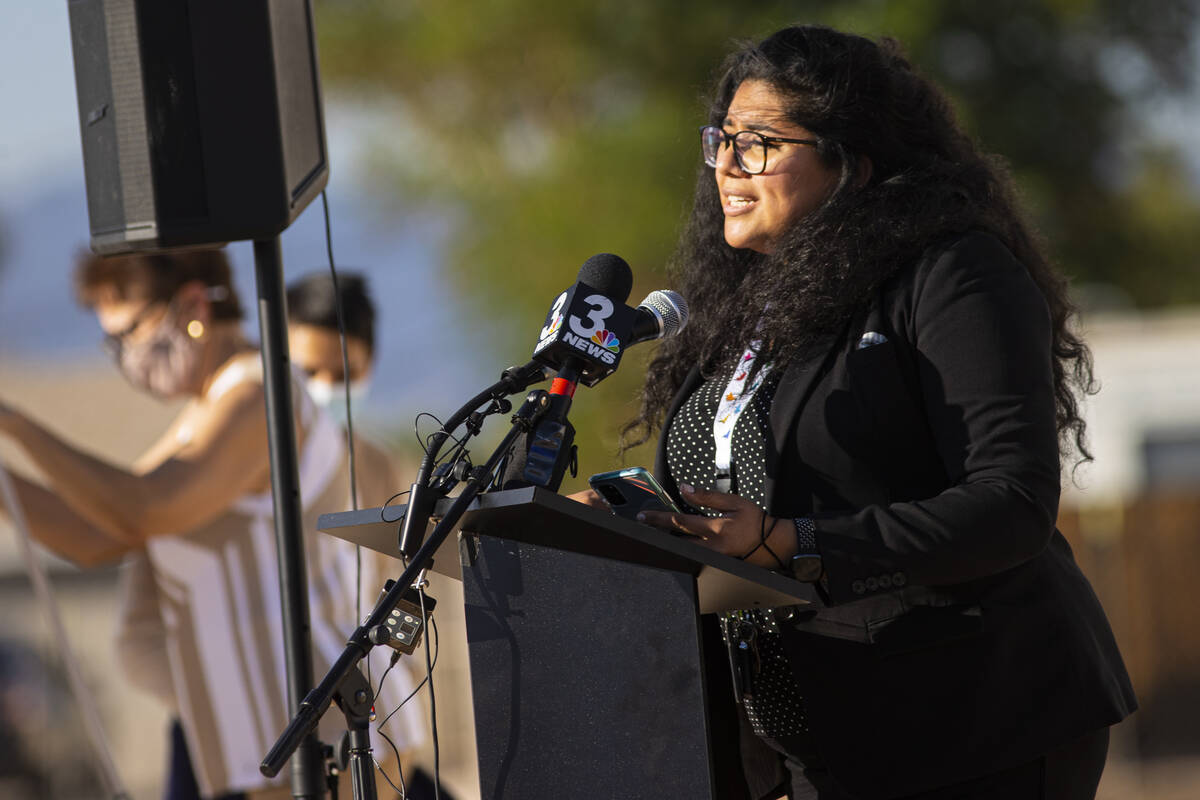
point(40, 132)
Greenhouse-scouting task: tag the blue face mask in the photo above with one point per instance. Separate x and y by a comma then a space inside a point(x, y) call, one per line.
point(332, 396)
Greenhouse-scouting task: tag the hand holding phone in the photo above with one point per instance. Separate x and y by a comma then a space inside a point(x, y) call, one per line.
point(631, 491)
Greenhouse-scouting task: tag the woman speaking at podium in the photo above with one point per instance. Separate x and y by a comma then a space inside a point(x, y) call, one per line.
point(206, 633)
point(878, 393)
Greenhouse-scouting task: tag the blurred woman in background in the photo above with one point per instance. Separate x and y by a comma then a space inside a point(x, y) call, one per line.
point(198, 504)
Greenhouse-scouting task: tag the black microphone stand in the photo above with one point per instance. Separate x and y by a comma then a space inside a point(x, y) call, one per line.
point(285, 494)
point(422, 496)
point(359, 644)
point(355, 699)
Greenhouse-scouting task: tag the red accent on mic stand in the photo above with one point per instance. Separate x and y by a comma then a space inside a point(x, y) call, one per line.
point(562, 386)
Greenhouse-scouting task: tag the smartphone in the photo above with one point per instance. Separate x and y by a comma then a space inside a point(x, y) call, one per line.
point(630, 491)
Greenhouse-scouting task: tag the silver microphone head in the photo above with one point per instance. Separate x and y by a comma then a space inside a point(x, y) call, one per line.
point(669, 309)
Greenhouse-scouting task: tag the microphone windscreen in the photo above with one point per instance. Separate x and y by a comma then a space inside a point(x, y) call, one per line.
point(669, 308)
point(609, 274)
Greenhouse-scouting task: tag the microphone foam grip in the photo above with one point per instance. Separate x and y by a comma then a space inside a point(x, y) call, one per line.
point(670, 308)
point(609, 274)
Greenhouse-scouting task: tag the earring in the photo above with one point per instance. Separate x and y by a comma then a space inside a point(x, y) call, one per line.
point(195, 329)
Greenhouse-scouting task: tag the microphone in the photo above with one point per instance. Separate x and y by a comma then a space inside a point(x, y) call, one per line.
point(660, 316)
point(609, 274)
point(586, 348)
point(588, 326)
point(587, 329)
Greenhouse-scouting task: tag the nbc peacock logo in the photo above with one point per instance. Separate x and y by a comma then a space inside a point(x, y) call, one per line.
point(607, 339)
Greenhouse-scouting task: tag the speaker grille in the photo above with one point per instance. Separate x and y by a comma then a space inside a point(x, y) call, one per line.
point(89, 41)
point(129, 115)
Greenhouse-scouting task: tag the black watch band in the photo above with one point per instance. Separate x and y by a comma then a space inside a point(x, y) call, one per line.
point(806, 564)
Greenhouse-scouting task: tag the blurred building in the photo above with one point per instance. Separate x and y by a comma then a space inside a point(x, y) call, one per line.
point(1144, 424)
point(1133, 517)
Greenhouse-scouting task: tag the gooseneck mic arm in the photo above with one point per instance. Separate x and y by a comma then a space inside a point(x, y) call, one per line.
point(421, 495)
point(359, 644)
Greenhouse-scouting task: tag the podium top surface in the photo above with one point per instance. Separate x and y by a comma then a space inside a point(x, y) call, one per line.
point(540, 517)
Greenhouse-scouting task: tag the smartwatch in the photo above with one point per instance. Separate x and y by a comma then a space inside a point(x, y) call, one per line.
point(806, 564)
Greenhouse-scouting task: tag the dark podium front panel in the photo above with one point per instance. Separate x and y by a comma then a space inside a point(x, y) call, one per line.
point(585, 674)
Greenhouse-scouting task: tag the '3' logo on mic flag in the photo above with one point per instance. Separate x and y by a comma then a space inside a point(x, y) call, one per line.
point(587, 325)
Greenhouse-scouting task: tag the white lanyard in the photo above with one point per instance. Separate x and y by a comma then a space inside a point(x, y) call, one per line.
point(734, 400)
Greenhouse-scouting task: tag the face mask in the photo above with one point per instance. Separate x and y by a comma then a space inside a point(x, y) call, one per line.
point(165, 364)
point(332, 396)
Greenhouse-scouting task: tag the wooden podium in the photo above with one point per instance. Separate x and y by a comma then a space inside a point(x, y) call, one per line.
point(584, 641)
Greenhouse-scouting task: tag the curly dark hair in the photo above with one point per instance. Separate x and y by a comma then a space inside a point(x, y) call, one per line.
point(859, 98)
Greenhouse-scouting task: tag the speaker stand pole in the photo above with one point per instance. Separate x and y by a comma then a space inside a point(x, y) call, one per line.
point(306, 765)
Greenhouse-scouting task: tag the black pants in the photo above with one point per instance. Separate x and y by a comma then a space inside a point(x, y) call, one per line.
point(1071, 772)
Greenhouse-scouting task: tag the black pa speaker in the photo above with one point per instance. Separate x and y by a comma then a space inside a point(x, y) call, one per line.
point(201, 119)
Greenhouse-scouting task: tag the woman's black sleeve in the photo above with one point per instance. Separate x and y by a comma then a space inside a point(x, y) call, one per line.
point(982, 336)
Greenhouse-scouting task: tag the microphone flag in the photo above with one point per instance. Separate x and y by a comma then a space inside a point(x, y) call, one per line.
point(585, 324)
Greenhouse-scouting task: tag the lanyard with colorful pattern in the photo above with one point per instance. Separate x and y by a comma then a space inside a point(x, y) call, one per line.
point(735, 399)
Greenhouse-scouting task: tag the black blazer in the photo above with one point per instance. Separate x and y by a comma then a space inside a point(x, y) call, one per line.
point(960, 636)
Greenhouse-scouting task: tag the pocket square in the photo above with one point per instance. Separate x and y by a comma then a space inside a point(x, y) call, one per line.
point(870, 339)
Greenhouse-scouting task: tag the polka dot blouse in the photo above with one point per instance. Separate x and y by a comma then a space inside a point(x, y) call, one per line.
point(769, 692)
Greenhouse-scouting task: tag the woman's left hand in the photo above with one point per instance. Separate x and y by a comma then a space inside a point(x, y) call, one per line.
point(737, 532)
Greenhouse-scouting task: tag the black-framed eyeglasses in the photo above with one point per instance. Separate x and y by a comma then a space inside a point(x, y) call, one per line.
point(113, 343)
point(749, 147)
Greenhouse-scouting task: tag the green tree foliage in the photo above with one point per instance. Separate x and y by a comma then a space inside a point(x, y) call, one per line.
point(550, 131)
